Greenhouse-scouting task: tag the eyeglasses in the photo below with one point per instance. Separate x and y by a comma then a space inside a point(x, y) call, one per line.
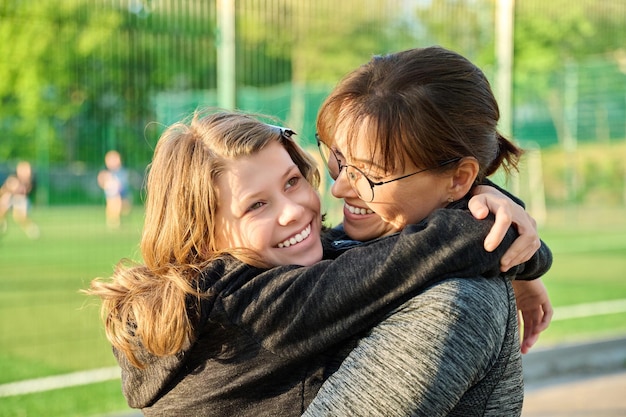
point(360, 183)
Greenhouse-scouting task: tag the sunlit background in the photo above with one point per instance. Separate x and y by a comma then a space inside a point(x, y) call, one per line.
point(81, 77)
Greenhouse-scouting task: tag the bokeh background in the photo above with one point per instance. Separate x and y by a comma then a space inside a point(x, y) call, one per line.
point(81, 77)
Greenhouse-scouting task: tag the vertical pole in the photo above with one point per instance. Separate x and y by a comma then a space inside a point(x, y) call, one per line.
point(570, 125)
point(226, 87)
point(505, 19)
point(570, 107)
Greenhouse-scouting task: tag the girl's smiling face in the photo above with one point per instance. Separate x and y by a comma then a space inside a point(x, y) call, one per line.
point(267, 206)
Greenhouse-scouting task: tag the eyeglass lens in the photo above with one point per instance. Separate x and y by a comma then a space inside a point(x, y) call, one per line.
point(357, 180)
point(360, 183)
point(330, 159)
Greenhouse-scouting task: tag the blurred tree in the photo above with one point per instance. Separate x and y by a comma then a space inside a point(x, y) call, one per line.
point(551, 38)
point(169, 48)
point(466, 27)
point(320, 41)
point(314, 42)
point(79, 77)
point(43, 43)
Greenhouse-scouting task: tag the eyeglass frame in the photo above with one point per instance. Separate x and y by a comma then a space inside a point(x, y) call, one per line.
point(371, 183)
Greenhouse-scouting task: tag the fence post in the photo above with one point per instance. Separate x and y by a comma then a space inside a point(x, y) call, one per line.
point(226, 77)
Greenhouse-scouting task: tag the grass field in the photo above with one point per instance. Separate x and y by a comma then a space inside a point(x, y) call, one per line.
point(48, 328)
point(589, 247)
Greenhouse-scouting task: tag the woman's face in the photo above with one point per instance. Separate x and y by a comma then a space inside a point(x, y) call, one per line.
point(266, 205)
point(395, 204)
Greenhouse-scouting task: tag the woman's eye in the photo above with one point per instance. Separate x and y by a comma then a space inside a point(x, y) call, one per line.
point(373, 175)
point(340, 158)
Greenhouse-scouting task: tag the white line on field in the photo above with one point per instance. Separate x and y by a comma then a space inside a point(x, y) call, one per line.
point(30, 386)
point(589, 309)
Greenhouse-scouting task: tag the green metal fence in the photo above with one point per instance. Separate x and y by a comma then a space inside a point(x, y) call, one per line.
point(80, 77)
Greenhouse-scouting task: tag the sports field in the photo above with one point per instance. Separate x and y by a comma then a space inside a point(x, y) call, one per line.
point(48, 328)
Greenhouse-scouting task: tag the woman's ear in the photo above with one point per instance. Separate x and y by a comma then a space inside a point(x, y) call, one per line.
point(463, 177)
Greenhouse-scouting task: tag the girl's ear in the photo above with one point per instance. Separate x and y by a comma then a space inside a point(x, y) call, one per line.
point(463, 177)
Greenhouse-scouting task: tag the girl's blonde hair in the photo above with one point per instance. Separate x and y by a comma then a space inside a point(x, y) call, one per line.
point(155, 305)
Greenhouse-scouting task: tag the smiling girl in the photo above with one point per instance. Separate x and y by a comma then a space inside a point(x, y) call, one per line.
point(274, 212)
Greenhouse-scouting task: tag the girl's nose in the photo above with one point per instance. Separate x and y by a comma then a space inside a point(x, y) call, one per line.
point(290, 211)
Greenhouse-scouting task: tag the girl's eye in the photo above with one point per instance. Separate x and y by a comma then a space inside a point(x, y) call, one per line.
point(255, 206)
point(292, 182)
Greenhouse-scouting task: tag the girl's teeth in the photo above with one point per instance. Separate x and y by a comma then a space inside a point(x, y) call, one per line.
point(296, 239)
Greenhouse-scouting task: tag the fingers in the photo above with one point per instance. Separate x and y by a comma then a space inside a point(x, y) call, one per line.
point(499, 229)
point(528, 342)
point(530, 333)
point(478, 206)
point(535, 310)
point(548, 312)
point(524, 222)
point(525, 246)
point(522, 249)
point(535, 322)
point(507, 212)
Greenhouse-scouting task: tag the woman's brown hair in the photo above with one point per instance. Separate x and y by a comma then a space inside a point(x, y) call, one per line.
point(430, 104)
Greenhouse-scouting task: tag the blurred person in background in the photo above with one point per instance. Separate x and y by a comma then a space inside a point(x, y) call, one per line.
point(114, 182)
point(15, 195)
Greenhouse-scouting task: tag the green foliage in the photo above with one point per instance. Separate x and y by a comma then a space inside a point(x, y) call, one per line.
point(547, 35)
point(551, 40)
point(463, 26)
point(80, 77)
point(91, 72)
point(43, 43)
point(592, 175)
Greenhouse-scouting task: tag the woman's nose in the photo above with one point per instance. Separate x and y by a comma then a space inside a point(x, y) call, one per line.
point(341, 188)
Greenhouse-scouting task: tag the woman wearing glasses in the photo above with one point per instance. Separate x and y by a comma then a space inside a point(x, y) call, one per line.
point(403, 135)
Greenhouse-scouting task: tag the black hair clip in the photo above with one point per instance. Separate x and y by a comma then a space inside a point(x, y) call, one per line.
point(285, 132)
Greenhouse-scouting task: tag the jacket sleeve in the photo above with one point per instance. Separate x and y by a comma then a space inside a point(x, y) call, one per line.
point(294, 311)
point(535, 267)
